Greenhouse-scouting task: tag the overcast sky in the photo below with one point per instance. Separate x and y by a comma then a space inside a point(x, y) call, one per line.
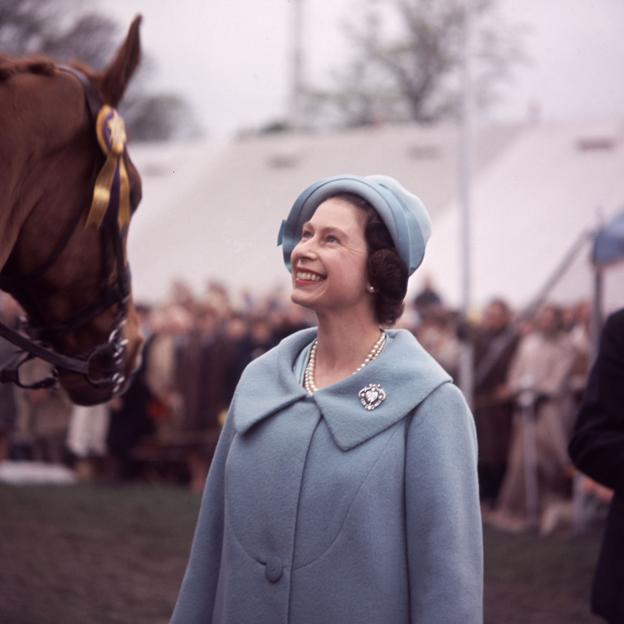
point(229, 58)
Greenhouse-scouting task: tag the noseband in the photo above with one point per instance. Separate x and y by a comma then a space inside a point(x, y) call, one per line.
point(102, 366)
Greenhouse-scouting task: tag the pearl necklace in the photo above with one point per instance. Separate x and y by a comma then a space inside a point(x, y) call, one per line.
point(308, 376)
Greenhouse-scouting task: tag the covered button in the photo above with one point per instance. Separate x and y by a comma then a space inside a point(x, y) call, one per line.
point(273, 569)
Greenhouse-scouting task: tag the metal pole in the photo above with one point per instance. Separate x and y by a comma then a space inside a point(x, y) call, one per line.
point(580, 507)
point(526, 402)
point(465, 182)
point(580, 511)
point(296, 78)
point(597, 312)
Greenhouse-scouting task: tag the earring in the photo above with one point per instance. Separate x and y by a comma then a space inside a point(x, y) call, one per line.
point(371, 289)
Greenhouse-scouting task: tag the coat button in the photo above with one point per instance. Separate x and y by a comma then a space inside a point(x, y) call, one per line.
point(273, 569)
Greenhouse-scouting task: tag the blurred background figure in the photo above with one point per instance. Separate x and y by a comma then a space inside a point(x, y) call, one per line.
point(86, 438)
point(540, 368)
point(437, 333)
point(201, 375)
point(495, 342)
point(129, 415)
point(427, 299)
point(43, 416)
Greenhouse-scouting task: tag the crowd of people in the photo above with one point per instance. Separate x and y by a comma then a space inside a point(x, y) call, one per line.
point(196, 347)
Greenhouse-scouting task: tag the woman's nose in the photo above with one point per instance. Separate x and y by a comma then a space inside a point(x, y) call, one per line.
point(305, 248)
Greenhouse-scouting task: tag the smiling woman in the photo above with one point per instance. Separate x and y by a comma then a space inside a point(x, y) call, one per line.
point(344, 485)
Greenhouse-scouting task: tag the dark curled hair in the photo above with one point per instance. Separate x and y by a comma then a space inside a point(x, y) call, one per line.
point(387, 272)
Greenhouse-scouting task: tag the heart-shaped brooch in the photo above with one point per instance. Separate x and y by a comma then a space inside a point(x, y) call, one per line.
point(372, 396)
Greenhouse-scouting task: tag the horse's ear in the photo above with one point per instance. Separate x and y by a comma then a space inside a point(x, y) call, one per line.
point(115, 78)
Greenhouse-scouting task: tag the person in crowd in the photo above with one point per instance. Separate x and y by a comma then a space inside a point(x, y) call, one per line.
point(133, 416)
point(261, 335)
point(437, 333)
point(86, 438)
point(579, 332)
point(344, 486)
point(218, 298)
point(172, 323)
point(181, 296)
point(290, 318)
point(201, 381)
point(43, 415)
point(597, 449)
point(200, 371)
point(238, 352)
point(540, 369)
point(428, 299)
point(495, 342)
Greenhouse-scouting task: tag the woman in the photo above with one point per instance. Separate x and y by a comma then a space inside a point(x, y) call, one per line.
point(343, 488)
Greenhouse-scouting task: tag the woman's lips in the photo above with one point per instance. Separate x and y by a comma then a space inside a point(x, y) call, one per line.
point(304, 277)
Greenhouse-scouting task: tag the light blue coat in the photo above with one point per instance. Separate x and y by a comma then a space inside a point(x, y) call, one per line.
point(317, 511)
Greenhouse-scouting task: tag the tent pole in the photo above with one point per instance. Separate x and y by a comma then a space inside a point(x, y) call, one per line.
point(597, 311)
point(296, 113)
point(466, 146)
point(579, 497)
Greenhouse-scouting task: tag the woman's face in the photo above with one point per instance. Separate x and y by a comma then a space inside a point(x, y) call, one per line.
point(329, 262)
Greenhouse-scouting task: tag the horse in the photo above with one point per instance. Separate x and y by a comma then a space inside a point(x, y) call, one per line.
point(68, 189)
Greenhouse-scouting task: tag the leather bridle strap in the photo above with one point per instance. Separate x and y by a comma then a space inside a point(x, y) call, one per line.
point(94, 100)
point(65, 362)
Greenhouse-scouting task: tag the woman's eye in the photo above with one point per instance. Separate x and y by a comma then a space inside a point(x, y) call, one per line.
point(330, 238)
point(306, 234)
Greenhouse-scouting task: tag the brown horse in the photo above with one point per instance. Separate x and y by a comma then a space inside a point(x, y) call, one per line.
point(70, 276)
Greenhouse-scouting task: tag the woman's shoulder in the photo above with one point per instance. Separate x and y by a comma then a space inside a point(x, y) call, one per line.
point(447, 397)
point(444, 420)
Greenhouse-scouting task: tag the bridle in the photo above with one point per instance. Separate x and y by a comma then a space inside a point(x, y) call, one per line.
point(103, 365)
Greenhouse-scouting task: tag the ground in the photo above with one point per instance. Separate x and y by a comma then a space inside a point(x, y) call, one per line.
point(106, 555)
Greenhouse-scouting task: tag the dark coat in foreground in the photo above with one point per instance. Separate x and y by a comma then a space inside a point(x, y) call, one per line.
point(317, 511)
point(597, 449)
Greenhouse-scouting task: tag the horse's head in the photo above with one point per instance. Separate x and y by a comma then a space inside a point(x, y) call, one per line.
point(67, 194)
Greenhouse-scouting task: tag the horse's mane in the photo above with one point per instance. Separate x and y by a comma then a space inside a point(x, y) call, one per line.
point(37, 64)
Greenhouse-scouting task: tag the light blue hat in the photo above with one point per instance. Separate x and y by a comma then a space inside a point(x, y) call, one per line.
point(403, 213)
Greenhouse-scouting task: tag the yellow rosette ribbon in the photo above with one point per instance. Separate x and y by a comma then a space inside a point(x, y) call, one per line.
point(111, 135)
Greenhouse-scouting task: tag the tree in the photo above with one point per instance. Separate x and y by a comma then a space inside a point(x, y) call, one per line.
point(406, 62)
point(55, 28)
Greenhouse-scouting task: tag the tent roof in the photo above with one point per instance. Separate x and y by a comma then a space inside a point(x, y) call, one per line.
point(529, 207)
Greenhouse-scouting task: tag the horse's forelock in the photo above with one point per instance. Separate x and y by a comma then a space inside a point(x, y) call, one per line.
point(33, 65)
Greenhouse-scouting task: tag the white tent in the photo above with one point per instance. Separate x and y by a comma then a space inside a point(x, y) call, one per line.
point(213, 211)
point(530, 206)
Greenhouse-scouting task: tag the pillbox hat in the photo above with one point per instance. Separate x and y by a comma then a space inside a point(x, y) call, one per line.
point(403, 213)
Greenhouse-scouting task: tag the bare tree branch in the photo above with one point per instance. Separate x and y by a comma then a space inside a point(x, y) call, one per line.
point(413, 74)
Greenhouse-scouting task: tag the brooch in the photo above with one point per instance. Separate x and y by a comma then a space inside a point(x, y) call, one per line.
point(372, 396)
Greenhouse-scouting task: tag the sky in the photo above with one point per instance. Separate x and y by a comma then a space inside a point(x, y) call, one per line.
point(229, 58)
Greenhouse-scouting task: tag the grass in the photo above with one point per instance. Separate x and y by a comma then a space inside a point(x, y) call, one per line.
point(537, 580)
point(103, 555)
point(92, 555)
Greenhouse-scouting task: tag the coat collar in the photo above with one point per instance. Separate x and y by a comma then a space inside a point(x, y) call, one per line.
point(406, 372)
